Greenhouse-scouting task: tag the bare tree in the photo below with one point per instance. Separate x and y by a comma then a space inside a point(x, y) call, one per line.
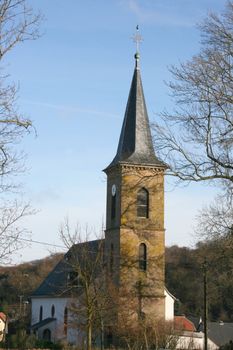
point(196, 140)
point(10, 228)
point(215, 220)
point(92, 301)
point(148, 334)
point(18, 23)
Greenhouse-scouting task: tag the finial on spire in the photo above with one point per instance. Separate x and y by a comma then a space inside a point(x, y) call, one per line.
point(137, 38)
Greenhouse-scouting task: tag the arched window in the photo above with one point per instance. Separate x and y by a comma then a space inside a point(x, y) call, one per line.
point(142, 257)
point(143, 203)
point(41, 313)
point(52, 311)
point(113, 207)
point(47, 334)
point(65, 320)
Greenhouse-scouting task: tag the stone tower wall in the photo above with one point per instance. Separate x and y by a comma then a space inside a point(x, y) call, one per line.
point(126, 231)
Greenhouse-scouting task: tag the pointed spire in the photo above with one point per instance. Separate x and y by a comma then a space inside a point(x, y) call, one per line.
point(135, 143)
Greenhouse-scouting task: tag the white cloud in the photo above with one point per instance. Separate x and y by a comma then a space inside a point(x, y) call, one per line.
point(152, 15)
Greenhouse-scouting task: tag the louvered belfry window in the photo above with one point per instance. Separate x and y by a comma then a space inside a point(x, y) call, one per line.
point(143, 203)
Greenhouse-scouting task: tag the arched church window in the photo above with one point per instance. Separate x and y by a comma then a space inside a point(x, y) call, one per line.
point(41, 313)
point(65, 320)
point(143, 203)
point(142, 257)
point(52, 311)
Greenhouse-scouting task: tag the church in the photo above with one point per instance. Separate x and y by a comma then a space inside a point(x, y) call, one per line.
point(133, 248)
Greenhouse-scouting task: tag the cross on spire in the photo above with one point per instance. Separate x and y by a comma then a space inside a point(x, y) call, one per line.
point(137, 38)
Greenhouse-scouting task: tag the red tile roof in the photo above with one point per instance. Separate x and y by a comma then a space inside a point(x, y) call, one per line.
point(181, 323)
point(3, 316)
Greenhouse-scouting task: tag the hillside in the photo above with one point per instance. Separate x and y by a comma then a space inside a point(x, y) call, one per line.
point(18, 282)
point(184, 279)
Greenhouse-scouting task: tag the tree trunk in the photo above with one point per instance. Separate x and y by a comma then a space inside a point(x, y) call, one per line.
point(146, 341)
point(89, 336)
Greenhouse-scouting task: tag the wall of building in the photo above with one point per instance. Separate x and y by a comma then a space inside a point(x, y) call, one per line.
point(2, 328)
point(56, 327)
point(169, 306)
point(194, 340)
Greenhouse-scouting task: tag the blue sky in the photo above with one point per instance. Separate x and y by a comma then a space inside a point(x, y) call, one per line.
point(74, 83)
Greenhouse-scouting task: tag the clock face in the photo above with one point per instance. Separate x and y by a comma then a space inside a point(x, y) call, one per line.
point(113, 190)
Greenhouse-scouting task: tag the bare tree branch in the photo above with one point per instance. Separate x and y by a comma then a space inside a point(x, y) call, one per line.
point(11, 231)
point(196, 139)
point(18, 22)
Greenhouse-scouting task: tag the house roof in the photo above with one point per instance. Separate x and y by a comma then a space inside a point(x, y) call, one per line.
point(182, 323)
point(197, 321)
point(135, 144)
point(220, 333)
point(56, 284)
point(3, 316)
point(170, 294)
point(42, 323)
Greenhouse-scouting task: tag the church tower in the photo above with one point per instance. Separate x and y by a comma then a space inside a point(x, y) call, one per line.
point(134, 241)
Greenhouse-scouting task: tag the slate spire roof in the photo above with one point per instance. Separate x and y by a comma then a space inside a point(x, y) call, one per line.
point(135, 144)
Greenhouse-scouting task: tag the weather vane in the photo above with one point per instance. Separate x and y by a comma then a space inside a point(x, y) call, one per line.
point(137, 38)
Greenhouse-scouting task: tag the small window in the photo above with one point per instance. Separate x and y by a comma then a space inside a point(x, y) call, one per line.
point(73, 278)
point(41, 313)
point(113, 207)
point(52, 311)
point(142, 257)
point(143, 203)
point(65, 320)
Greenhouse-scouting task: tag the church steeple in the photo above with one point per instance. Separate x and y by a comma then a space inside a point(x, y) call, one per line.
point(135, 144)
point(134, 236)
